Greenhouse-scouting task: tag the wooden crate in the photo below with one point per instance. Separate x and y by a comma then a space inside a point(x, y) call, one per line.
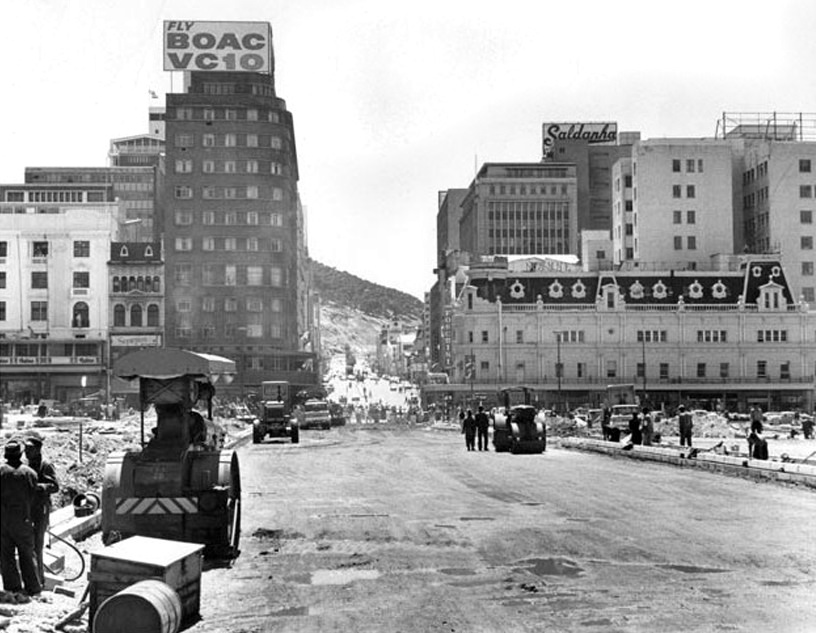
point(176, 563)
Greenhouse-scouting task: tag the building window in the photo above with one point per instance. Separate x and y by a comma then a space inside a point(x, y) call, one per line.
point(252, 166)
point(39, 310)
point(277, 193)
point(252, 140)
point(184, 140)
point(3, 249)
point(184, 218)
point(208, 140)
point(805, 191)
point(39, 279)
point(678, 243)
point(701, 370)
point(230, 304)
point(677, 191)
point(183, 192)
point(119, 315)
point(519, 336)
point(806, 242)
point(252, 114)
point(82, 279)
point(762, 369)
point(136, 315)
point(690, 165)
point(229, 166)
point(700, 165)
point(784, 371)
point(230, 140)
point(208, 166)
point(691, 217)
point(208, 304)
point(485, 337)
point(809, 294)
point(611, 368)
point(254, 275)
point(153, 315)
point(230, 114)
point(39, 249)
point(691, 191)
point(807, 269)
point(691, 243)
point(804, 165)
point(82, 248)
point(208, 218)
point(677, 217)
point(664, 371)
point(676, 165)
point(183, 274)
point(184, 166)
point(80, 316)
point(275, 142)
point(640, 370)
point(184, 243)
point(580, 370)
point(2, 279)
point(275, 276)
point(470, 336)
point(806, 217)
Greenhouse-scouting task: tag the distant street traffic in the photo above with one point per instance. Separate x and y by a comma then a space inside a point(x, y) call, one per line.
point(398, 528)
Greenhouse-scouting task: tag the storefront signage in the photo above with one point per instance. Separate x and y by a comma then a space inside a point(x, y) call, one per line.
point(593, 133)
point(218, 46)
point(136, 340)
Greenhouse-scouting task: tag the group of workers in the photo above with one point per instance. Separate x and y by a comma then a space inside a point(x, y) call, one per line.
point(25, 509)
point(475, 426)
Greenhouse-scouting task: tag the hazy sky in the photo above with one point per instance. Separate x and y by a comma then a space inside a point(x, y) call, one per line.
point(393, 102)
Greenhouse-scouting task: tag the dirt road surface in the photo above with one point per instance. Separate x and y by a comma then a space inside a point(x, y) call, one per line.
point(397, 529)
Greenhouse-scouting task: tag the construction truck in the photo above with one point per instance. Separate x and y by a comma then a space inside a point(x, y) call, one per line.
point(275, 413)
point(622, 403)
point(180, 485)
point(519, 428)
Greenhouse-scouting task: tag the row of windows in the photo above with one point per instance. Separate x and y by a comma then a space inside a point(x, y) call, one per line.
point(651, 336)
point(691, 243)
point(229, 218)
point(611, 370)
point(251, 192)
point(230, 139)
point(184, 330)
point(186, 166)
point(230, 304)
point(44, 350)
point(527, 211)
point(241, 244)
point(531, 190)
point(40, 248)
point(80, 313)
point(55, 196)
point(677, 191)
point(691, 164)
point(148, 283)
point(627, 182)
point(136, 314)
point(691, 217)
point(39, 279)
point(186, 113)
point(759, 171)
point(230, 275)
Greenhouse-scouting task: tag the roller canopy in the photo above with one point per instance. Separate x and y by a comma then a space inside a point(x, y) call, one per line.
point(163, 364)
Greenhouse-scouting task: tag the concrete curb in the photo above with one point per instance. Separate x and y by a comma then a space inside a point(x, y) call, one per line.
point(767, 470)
point(65, 524)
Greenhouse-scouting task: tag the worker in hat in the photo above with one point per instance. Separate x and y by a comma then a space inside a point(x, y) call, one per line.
point(47, 485)
point(18, 486)
point(685, 424)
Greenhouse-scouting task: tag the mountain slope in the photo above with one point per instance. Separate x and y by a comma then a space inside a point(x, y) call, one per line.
point(353, 311)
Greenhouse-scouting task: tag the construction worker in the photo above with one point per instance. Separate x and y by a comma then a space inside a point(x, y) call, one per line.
point(685, 423)
point(482, 424)
point(18, 486)
point(47, 485)
point(469, 429)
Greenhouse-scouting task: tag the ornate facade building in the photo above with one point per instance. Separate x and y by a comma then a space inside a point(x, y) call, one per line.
point(726, 338)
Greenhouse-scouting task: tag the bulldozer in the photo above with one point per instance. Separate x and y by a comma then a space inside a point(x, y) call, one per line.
point(518, 429)
point(180, 485)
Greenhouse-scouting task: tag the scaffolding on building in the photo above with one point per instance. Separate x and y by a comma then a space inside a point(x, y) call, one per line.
point(770, 126)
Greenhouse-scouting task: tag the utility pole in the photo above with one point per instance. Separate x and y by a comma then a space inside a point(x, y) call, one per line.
point(643, 348)
point(558, 367)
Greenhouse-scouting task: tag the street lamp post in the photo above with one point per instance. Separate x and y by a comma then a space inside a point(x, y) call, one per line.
point(558, 366)
point(643, 352)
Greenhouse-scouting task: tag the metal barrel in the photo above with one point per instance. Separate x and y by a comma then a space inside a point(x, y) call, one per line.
point(146, 606)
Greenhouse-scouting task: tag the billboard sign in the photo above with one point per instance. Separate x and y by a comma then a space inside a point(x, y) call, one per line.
point(218, 46)
point(594, 133)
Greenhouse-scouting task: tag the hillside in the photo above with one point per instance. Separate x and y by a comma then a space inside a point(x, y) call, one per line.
point(353, 310)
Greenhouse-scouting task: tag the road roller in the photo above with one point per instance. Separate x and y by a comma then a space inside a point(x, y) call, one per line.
point(518, 428)
point(180, 486)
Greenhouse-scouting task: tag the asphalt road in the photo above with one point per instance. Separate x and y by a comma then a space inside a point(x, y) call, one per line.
point(397, 529)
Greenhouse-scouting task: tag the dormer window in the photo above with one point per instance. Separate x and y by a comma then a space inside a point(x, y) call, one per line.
point(148, 251)
point(123, 252)
point(771, 298)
